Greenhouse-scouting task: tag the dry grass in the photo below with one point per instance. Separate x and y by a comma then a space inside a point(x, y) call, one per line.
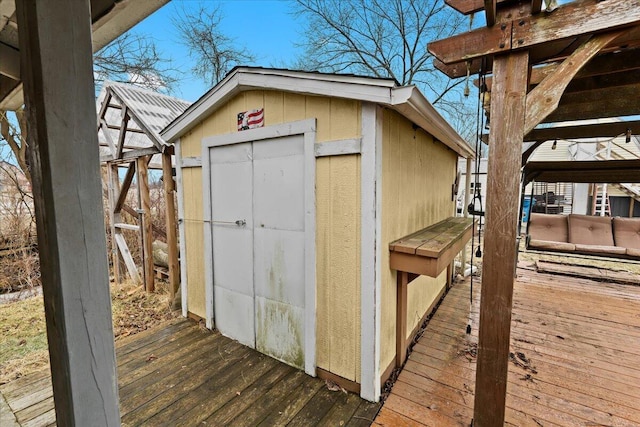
point(23, 341)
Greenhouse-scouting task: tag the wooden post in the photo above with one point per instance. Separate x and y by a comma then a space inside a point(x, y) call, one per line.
point(56, 68)
point(145, 223)
point(402, 279)
point(170, 215)
point(631, 206)
point(505, 142)
point(113, 188)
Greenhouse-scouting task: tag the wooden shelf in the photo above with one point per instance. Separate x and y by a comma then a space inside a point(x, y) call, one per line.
point(429, 251)
point(426, 252)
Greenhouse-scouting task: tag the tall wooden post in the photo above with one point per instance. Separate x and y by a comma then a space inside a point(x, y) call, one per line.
point(505, 144)
point(113, 189)
point(145, 224)
point(170, 216)
point(61, 115)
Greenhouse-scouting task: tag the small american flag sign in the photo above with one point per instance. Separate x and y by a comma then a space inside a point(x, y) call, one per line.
point(251, 119)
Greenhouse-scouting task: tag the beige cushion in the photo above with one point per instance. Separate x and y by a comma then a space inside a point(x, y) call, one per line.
point(633, 252)
point(590, 230)
point(600, 249)
point(626, 232)
point(548, 227)
point(551, 246)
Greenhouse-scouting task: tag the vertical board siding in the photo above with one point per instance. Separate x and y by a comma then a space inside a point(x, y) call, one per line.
point(417, 174)
point(338, 217)
point(192, 178)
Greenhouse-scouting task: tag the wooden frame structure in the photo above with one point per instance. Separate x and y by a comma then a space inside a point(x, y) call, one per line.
point(575, 62)
point(129, 120)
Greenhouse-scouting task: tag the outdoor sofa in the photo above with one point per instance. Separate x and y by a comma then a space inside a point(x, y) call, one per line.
point(585, 234)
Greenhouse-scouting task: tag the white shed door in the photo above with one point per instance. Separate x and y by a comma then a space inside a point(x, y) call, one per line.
point(259, 267)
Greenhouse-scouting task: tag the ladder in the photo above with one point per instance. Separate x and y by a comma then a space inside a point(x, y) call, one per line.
point(601, 203)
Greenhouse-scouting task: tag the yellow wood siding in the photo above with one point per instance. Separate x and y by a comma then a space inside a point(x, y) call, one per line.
point(417, 174)
point(338, 216)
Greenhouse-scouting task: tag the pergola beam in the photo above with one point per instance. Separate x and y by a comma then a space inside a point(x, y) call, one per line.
point(544, 99)
point(581, 17)
point(490, 12)
point(467, 7)
point(594, 130)
point(610, 67)
point(56, 68)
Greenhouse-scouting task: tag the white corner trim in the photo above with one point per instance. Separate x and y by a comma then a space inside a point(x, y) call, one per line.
point(184, 295)
point(369, 277)
point(191, 162)
point(307, 128)
point(338, 147)
point(208, 237)
point(310, 309)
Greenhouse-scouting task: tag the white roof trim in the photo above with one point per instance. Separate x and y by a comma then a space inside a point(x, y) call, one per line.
point(407, 101)
point(412, 104)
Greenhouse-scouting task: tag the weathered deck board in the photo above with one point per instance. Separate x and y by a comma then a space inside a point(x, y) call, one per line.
point(582, 341)
point(180, 375)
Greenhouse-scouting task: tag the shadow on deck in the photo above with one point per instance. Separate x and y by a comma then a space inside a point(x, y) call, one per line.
point(575, 347)
point(183, 375)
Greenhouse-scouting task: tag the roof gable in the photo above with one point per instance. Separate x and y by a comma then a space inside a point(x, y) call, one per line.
point(407, 100)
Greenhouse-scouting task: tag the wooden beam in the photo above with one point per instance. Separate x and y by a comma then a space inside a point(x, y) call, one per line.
point(490, 12)
point(592, 130)
point(147, 234)
point(125, 226)
point(57, 75)
point(467, 7)
point(577, 18)
point(542, 100)
point(613, 64)
point(123, 190)
point(170, 218)
point(113, 187)
point(131, 155)
point(123, 132)
point(128, 259)
point(624, 104)
point(510, 79)
point(10, 65)
point(402, 284)
point(536, 6)
point(473, 44)
point(107, 136)
point(128, 129)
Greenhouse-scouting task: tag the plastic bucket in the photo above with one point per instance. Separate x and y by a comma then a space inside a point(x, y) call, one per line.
point(526, 208)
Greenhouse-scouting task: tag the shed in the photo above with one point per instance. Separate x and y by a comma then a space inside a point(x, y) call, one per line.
point(285, 228)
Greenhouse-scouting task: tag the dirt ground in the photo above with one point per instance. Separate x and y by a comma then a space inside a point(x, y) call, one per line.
point(23, 337)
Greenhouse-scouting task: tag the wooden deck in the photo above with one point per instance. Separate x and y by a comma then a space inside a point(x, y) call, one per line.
point(180, 375)
point(576, 358)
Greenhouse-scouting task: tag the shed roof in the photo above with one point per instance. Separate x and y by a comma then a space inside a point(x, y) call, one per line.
point(406, 100)
point(148, 113)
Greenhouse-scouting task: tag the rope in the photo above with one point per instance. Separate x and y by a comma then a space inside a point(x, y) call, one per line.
point(477, 194)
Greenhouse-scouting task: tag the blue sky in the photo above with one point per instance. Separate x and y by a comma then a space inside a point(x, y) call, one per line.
point(265, 27)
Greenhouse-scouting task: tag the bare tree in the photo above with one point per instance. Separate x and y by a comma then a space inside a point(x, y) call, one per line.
point(214, 53)
point(388, 39)
point(134, 58)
